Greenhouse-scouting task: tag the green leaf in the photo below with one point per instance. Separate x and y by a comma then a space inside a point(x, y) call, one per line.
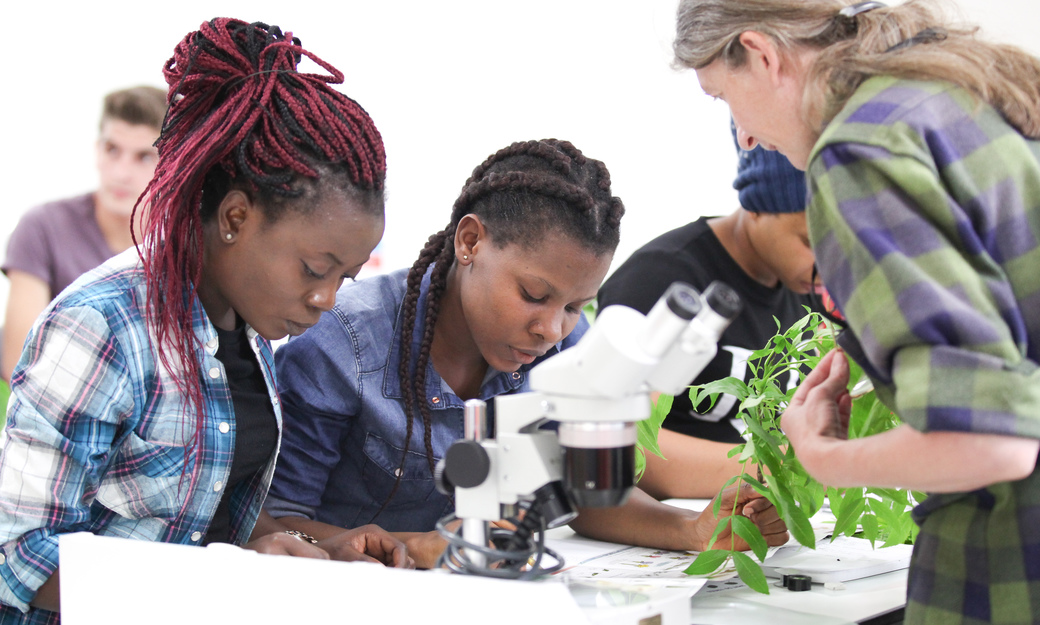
point(798, 524)
point(848, 521)
point(750, 573)
point(747, 452)
point(730, 386)
point(751, 402)
point(648, 430)
point(707, 562)
point(751, 534)
point(869, 523)
point(893, 494)
point(719, 528)
point(899, 531)
point(646, 436)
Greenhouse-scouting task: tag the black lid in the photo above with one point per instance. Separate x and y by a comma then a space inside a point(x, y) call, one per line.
point(799, 583)
point(723, 300)
point(683, 300)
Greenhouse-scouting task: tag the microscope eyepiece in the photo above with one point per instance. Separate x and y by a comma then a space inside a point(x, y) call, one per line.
point(683, 300)
point(721, 298)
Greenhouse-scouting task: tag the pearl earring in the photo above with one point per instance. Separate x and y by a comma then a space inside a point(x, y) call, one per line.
point(465, 257)
point(228, 236)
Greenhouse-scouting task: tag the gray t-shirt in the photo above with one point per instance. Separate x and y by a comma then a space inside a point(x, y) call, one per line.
point(57, 242)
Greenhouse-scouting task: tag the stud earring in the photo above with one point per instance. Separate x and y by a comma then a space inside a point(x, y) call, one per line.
point(228, 236)
point(465, 257)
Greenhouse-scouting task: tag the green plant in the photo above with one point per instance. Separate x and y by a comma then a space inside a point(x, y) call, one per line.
point(5, 394)
point(646, 432)
point(769, 464)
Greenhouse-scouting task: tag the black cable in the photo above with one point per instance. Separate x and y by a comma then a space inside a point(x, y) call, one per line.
point(513, 554)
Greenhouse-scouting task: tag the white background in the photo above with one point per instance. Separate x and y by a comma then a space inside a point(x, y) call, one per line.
point(447, 83)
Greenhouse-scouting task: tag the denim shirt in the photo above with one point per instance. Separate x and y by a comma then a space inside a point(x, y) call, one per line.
point(97, 432)
point(345, 422)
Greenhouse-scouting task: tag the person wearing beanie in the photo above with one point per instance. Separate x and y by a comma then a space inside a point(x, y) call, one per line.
point(762, 251)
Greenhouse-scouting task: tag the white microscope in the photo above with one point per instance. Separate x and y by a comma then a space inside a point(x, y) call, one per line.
point(596, 391)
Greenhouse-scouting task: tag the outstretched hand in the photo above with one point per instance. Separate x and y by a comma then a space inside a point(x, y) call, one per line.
point(368, 543)
point(819, 411)
point(747, 502)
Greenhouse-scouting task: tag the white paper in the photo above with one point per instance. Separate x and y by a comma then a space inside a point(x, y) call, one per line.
point(842, 560)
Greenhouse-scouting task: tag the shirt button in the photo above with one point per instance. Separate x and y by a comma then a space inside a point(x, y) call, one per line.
point(516, 375)
point(435, 400)
point(218, 485)
point(212, 343)
point(214, 373)
point(195, 536)
point(224, 428)
point(3, 559)
point(397, 472)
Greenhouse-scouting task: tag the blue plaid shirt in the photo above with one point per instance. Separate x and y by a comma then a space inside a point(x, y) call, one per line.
point(99, 439)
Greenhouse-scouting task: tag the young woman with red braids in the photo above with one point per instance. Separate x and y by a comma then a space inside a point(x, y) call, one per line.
point(374, 394)
point(143, 405)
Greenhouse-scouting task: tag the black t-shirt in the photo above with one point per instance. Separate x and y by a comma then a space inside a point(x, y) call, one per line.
point(693, 254)
point(255, 429)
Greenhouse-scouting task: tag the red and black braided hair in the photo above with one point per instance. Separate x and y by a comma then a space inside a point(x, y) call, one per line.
point(241, 116)
point(521, 193)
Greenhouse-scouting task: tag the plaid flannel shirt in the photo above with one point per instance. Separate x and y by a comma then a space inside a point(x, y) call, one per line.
point(97, 433)
point(925, 220)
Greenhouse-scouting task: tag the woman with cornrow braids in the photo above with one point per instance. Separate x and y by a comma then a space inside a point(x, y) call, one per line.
point(374, 393)
point(143, 405)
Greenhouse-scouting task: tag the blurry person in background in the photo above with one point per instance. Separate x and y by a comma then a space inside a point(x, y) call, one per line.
point(53, 244)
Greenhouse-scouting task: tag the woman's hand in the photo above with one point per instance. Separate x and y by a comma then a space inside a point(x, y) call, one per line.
point(368, 543)
point(425, 547)
point(818, 414)
point(282, 544)
point(746, 502)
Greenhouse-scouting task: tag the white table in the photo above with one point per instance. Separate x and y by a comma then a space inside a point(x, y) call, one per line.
point(877, 599)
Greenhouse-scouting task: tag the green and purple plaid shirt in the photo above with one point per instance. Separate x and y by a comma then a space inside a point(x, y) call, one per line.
point(925, 220)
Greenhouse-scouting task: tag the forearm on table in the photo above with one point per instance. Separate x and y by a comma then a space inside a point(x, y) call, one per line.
point(642, 521)
point(267, 524)
point(928, 461)
point(692, 468)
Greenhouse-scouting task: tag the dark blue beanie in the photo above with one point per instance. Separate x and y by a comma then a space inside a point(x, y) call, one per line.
point(767, 182)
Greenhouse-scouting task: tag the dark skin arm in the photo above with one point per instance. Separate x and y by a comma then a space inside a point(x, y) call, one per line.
point(685, 456)
point(47, 597)
point(366, 543)
point(646, 522)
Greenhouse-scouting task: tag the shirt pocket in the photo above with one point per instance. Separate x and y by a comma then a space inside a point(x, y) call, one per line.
point(147, 479)
point(382, 465)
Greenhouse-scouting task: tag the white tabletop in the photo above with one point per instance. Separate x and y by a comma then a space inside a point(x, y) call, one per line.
point(729, 602)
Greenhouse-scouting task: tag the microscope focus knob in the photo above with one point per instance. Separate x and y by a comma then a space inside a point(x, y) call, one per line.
point(464, 466)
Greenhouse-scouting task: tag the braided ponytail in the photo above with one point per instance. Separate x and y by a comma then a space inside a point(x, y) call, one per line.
point(240, 114)
point(521, 193)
